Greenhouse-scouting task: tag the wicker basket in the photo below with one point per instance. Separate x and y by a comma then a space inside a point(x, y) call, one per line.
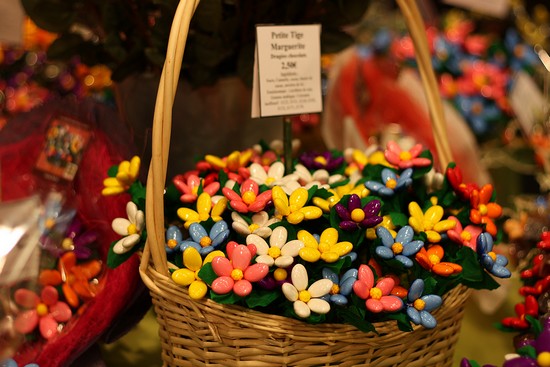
point(205, 333)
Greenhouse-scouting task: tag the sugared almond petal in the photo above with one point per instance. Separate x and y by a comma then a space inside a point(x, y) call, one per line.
point(320, 288)
point(222, 266)
point(319, 306)
point(222, 285)
point(290, 292)
point(120, 226)
point(61, 312)
point(256, 272)
point(261, 245)
point(301, 309)
point(48, 327)
point(242, 287)
point(292, 248)
point(26, 321)
point(49, 295)
point(299, 277)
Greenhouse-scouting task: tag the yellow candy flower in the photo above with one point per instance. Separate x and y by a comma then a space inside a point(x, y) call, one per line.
point(189, 276)
point(205, 210)
point(328, 248)
point(292, 208)
point(338, 193)
point(127, 174)
point(429, 222)
point(232, 162)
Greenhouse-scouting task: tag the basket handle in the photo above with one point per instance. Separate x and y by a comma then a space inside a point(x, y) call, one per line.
point(162, 120)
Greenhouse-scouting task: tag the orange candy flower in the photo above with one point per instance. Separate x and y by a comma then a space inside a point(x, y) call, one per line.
point(76, 280)
point(430, 259)
point(482, 211)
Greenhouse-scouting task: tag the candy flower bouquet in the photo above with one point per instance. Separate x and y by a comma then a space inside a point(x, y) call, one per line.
point(353, 237)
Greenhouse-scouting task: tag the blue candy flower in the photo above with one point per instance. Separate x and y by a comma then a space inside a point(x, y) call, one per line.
point(495, 264)
point(390, 182)
point(341, 288)
point(419, 307)
point(173, 239)
point(205, 242)
point(401, 248)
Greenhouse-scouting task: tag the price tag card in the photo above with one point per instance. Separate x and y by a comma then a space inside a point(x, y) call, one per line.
point(494, 8)
point(527, 102)
point(287, 71)
point(11, 22)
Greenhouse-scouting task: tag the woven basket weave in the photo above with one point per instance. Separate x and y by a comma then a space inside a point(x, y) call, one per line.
point(205, 333)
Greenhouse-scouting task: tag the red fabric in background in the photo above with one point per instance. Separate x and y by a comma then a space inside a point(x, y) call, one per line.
point(20, 144)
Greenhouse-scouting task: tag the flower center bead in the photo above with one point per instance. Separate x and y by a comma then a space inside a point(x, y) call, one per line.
point(269, 181)
point(274, 252)
point(466, 236)
point(321, 160)
point(483, 209)
point(419, 304)
point(391, 184)
point(304, 296)
point(434, 259)
point(492, 255)
point(397, 248)
point(171, 243)
point(67, 244)
point(280, 274)
point(405, 156)
point(205, 241)
point(357, 215)
point(49, 223)
point(249, 197)
point(375, 293)
point(335, 289)
point(543, 359)
point(477, 108)
point(132, 229)
point(42, 309)
point(253, 227)
point(236, 274)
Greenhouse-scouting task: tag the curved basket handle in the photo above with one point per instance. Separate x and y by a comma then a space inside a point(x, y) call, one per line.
point(162, 125)
point(162, 120)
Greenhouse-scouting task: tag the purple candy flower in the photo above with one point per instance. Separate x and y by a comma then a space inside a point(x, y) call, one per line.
point(540, 352)
point(325, 160)
point(354, 217)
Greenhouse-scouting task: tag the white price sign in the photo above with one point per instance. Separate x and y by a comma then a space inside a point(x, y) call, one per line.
point(287, 71)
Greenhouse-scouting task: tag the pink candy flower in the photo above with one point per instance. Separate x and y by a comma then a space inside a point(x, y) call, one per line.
point(378, 298)
point(466, 236)
point(405, 158)
point(45, 311)
point(190, 187)
point(248, 200)
point(236, 273)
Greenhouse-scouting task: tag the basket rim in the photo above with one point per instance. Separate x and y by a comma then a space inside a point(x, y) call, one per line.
point(158, 282)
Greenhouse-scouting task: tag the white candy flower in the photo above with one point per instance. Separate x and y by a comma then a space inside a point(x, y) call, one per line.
point(131, 228)
point(306, 300)
point(274, 177)
point(320, 178)
point(278, 252)
point(260, 224)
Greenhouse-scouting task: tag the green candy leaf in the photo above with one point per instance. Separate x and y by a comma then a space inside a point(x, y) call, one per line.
point(207, 274)
point(114, 260)
point(403, 322)
point(225, 299)
point(261, 298)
